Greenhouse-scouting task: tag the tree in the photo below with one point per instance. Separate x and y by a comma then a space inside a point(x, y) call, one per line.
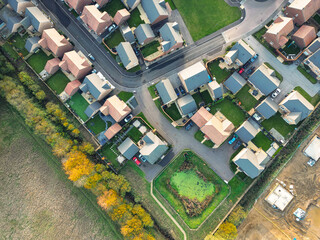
point(144, 236)
point(75, 132)
point(226, 231)
point(109, 199)
point(92, 181)
point(87, 148)
point(132, 227)
point(237, 215)
point(143, 215)
point(40, 95)
point(121, 212)
point(61, 147)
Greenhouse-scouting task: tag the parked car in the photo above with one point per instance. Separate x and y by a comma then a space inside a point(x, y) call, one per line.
point(276, 93)
point(247, 64)
point(189, 125)
point(94, 71)
point(235, 137)
point(136, 160)
point(177, 92)
point(182, 90)
point(254, 57)
point(237, 145)
point(256, 116)
point(241, 70)
point(91, 57)
point(128, 118)
point(112, 27)
point(251, 70)
point(143, 159)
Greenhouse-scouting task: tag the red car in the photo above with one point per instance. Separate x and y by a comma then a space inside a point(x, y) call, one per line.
point(241, 70)
point(136, 160)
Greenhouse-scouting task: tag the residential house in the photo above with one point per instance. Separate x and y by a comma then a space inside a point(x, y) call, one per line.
point(11, 18)
point(36, 18)
point(78, 5)
point(312, 48)
point(171, 37)
point(194, 77)
point(101, 3)
point(166, 91)
point(121, 16)
point(302, 10)
point(312, 150)
point(239, 54)
point(267, 108)
point(116, 108)
point(247, 131)
point(112, 131)
point(95, 20)
point(156, 10)
point(74, 63)
point(72, 87)
point(19, 6)
point(127, 34)
point(215, 90)
point(186, 105)
point(32, 44)
point(92, 109)
point(144, 34)
point(55, 42)
point(127, 55)
point(250, 162)
point(97, 86)
point(128, 148)
point(265, 80)
point(216, 127)
point(295, 108)
point(277, 33)
point(131, 4)
point(52, 66)
point(235, 82)
point(313, 62)
point(153, 148)
point(304, 36)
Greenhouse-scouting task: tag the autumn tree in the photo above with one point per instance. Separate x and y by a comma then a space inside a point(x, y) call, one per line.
point(143, 215)
point(144, 236)
point(121, 212)
point(92, 181)
point(62, 147)
point(237, 215)
point(87, 148)
point(109, 199)
point(226, 231)
point(132, 227)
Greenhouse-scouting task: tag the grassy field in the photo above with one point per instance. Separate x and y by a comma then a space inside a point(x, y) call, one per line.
point(134, 134)
point(135, 20)
point(37, 198)
point(217, 72)
point(279, 124)
point(307, 75)
point(58, 82)
point(173, 112)
point(114, 39)
point(150, 48)
point(79, 105)
point(205, 17)
point(221, 189)
point(230, 111)
point(38, 60)
point(96, 124)
point(246, 99)
point(125, 96)
point(313, 100)
point(291, 48)
point(261, 141)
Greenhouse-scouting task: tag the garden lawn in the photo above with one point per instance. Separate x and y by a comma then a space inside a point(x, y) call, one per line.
point(208, 143)
point(171, 3)
point(246, 99)
point(307, 75)
point(125, 96)
point(261, 141)
point(150, 48)
point(151, 90)
point(217, 72)
point(112, 7)
point(114, 39)
point(134, 69)
point(278, 75)
point(279, 124)
point(19, 42)
point(206, 97)
point(173, 112)
point(291, 48)
point(221, 189)
point(38, 60)
point(110, 156)
point(9, 50)
point(135, 20)
point(158, 104)
point(231, 111)
point(79, 105)
point(206, 16)
point(197, 98)
point(134, 134)
point(199, 135)
point(58, 81)
point(96, 124)
point(313, 100)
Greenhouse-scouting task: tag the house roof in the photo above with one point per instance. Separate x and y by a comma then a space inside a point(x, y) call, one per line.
point(121, 16)
point(72, 87)
point(194, 76)
point(20, 5)
point(143, 32)
point(304, 32)
point(52, 65)
point(187, 104)
point(216, 89)
point(201, 117)
point(241, 51)
point(252, 164)
point(112, 131)
point(36, 17)
point(96, 85)
point(78, 5)
point(92, 109)
point(278, 25)
point(153, 148)
point(279, 197)
point(235, 82)
point(300, 4)
point(131, 3)
point(315, 58)
point(154, 9)
point(116, 108)
point(267, 108)
point(247, 131)
point(313, 148)
point(11, 18)
point(170, 35)
point(264, 79)
point(127, 55)
point(31, 43)
point(166, 91)
point(128, 148)
point(314, 46)
point(127, 34)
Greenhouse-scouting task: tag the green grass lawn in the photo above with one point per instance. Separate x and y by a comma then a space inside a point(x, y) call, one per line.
point(151, 90)
point(206, 16)
point(307, 75)
point(197, 98)
point(171, 3)
point(8, 49)
point(125, 96)
point(150, 48)
point(279, 124)
point(38, 60)
point(135, 20)
point(246, 99)
point(158, 104)
point(173, 112)
point(291, 48)
point(230, 111)
point(112, 7)
point(110, 156)
point(206, 97)
point(134, 69)
point(19, 42)
point(313, 100)
point(278, 75)
point(199, 135)
point(221, 189)
point(208, 143)
point(134, 134)
point(114, 39)
point(79, 105)
point(58, 82)
point(96, 124)
point(217, 72)
point(261, 141)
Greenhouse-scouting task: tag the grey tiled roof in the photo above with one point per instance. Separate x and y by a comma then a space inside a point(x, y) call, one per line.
point(126, 53)
point(170, 35)
point(128, 148)
point(154, 9)
point(154, 148)
point(187, 104)
point(235, 82)
point(92, 109)
point(166, 91)
point(31, 42)
point(267, 108)
point(315, 58)
point(243, 52)
point(143, 32)
point(246, 132)
point(314, 46)
point(127, 34)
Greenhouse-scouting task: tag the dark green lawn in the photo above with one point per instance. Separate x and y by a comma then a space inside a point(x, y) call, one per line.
point(307, 75)
point(230, 111)
point(112, 7)
point(150, 48)
point(96, 124)
point(171, 3)
point(173, 112)
point(110, 156)
point(58, 82)
point(134, 69)
point(206, 16)
point(199, 136)
point(246, 99)
point(38, 60)
point(9, 50)
point(135, 20)
point(261, 141)
point(19, 42)
point(79, 105)
point(114, 39)
point(208, 143)
point(206, 97)
point(158, 104)
point(217, 72)
point(313, 100)
point(151, 90)
point(134, 134)
point(291, 48)
point(279, 124)
point(197, 98)
point(125, 96)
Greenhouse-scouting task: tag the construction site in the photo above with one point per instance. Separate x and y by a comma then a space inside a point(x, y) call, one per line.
point(289, 208)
